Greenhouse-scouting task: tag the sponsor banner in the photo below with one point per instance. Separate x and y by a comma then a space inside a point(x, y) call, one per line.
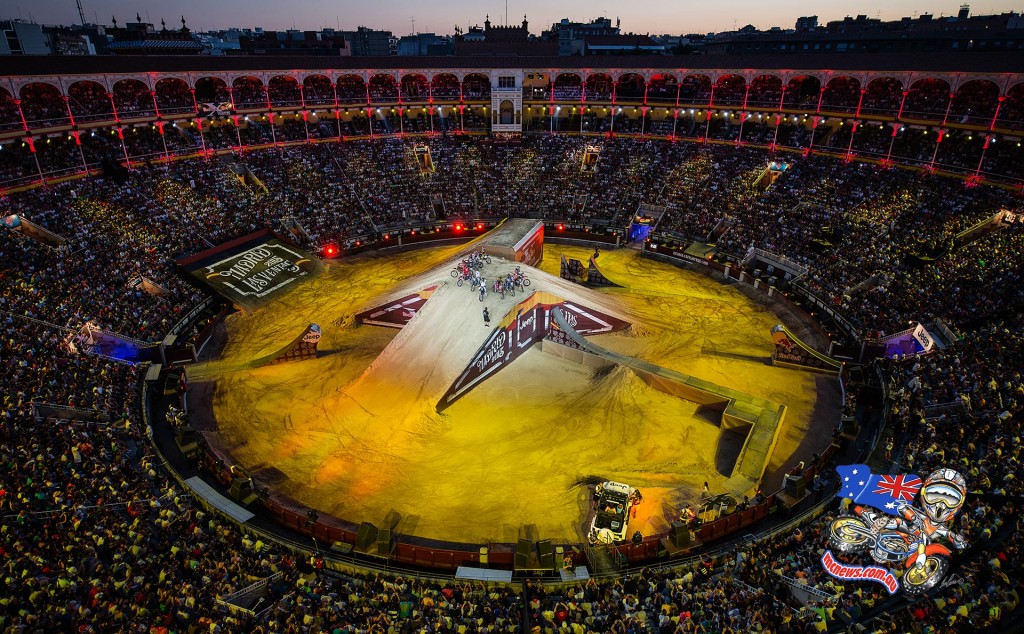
point(526, 324)
point(923, 339)
point(221, 109)
point(312, 334)
point(690, 258)
point(251, 271)
point(840, 570)
point(588, 321)
point(504, 345)
point(792, 351)
point(397, 313)
point(303, 347)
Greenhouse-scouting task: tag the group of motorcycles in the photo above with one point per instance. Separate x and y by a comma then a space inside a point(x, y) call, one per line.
point(468, 272)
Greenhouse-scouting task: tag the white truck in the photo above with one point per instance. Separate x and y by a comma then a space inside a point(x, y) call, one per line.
point(610, 518)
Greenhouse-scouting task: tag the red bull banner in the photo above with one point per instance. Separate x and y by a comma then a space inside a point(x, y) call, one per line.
point(792, 353)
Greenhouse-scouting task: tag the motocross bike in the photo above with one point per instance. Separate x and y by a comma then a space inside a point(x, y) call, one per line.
point(896, 540)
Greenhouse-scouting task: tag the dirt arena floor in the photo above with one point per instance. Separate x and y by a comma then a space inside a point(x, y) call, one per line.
point(354, 433)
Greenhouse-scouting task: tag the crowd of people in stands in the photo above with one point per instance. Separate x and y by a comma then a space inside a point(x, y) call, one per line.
point(933, 131)
point(96, 536)
point(989, 156)
point(849, 224)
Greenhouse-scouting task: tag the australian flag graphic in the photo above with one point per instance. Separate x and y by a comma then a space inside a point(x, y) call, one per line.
point(884, 492)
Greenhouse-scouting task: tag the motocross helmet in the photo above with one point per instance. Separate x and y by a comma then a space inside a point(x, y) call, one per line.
point(942, 494)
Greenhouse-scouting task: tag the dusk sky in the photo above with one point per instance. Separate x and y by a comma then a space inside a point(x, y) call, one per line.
point(440, 16)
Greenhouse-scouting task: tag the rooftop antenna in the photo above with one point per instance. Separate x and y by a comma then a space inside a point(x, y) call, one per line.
point(506, 12)
point(81, 12)
point(412, 23)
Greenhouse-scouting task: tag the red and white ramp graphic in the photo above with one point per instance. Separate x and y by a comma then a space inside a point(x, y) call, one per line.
point(588, 321)
point(528, 322)
point(397, 313)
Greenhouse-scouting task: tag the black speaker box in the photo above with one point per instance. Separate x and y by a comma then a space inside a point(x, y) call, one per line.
point(680, 535)
point(240, 487)
point(523, 549)
point(366, 535)
point(796, 486)
point(384, 541)
point(547, 554)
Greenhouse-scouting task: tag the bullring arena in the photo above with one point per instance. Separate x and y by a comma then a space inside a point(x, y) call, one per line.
point(355, 433)
point(246, 391)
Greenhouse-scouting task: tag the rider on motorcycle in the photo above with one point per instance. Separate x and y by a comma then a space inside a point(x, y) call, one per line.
point(942, 495)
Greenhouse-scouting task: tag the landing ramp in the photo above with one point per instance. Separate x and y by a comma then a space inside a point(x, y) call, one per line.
point(740, 411)
point(299, 349)
point(595, 277)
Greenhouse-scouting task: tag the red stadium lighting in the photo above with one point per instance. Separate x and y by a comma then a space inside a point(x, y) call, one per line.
point(330, 250)
point(458, 227)
point(479, 225)
point(561, 227)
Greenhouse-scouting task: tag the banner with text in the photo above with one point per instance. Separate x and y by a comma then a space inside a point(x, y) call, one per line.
point(250, 271)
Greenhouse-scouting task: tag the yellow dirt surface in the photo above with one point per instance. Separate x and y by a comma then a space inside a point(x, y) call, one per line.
point(354, 432)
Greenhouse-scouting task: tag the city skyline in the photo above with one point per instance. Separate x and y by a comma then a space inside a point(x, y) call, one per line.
point(405, 16)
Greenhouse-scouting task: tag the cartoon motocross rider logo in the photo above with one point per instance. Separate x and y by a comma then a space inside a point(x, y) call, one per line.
point(917, 538)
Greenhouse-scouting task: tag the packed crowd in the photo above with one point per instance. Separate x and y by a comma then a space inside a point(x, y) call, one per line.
point(96, 537)
point(992, 156)
point(848, 223)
